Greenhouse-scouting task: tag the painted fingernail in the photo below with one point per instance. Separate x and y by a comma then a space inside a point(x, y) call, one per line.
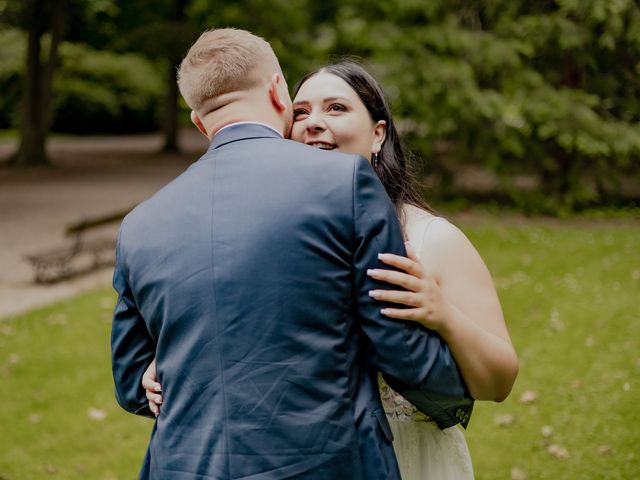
point(373, 294)
point(384, 311)
point(369, 271)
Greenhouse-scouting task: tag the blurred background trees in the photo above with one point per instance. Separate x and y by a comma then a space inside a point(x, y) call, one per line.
point(545, 94)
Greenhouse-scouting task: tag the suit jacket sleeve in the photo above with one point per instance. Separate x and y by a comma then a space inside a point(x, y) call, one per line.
point(414, 361)
point(132, 348)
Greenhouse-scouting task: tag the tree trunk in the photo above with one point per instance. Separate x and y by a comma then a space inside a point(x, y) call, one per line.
point(170, 120)
point(32, 137)
point(35, 120)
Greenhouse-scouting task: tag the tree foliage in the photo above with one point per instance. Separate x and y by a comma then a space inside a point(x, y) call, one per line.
point(103, 91)
point(95, 91)
point(549, 89)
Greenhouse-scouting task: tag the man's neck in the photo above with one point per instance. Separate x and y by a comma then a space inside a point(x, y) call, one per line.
point(249, 122)
point(247, 109)
point(213, 125)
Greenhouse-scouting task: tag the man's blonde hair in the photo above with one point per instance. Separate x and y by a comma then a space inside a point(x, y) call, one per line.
point(221, 61)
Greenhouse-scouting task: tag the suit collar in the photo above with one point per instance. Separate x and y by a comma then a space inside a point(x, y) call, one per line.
point(242, 131)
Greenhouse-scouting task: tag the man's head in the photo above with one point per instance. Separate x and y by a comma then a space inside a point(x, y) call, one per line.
point(231, 75)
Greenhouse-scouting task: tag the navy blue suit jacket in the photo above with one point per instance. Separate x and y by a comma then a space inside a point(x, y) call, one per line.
point(246, 278)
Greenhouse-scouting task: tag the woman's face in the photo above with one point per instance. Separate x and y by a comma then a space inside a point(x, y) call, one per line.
point(328, 114)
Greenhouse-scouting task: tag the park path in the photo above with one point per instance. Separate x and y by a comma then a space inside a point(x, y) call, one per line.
point(95, 176)
point(90, 177)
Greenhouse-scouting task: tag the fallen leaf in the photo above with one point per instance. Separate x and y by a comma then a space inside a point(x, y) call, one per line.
point(96, 414)
point(504, 419)
point(605, 450)
point(626, 387)
point(557, 451)
point(528, 397)
point(35, 418)
point(518, 474)
point(554, 321)
point(546, 431)
point(14, 359)
point(589, 342)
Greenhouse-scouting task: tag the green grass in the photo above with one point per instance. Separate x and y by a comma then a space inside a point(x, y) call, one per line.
point(571, 296)
point(8, 134)
point(54, 367)
point(570, 292)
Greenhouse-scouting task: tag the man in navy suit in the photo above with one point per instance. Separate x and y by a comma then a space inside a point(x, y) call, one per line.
point(246, 279)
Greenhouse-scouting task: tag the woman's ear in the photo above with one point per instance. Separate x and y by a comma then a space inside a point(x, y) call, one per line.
point(379, 135)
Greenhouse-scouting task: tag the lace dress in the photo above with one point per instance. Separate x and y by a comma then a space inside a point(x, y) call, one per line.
point(422, 449)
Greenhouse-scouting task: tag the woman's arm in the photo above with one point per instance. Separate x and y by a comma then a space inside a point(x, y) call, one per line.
point(451, 291)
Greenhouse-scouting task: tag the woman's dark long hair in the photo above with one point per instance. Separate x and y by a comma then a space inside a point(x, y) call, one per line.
point(393, 166)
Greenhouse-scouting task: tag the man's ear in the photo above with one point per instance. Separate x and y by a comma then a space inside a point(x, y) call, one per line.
point(277, 91)
point(198, 123)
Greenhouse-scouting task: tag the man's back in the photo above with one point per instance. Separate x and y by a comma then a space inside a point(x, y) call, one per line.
point(242, 269)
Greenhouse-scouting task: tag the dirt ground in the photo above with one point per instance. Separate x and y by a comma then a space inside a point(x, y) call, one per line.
point(90, 177)
point(96, 176)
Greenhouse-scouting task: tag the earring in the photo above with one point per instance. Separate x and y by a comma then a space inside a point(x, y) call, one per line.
point(374, 160)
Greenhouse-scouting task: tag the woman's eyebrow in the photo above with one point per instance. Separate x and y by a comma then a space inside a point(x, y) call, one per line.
point(298, 103)
point(333, 99)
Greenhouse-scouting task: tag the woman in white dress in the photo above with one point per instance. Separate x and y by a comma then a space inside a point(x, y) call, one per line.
point(450, 290)
point(448, 287)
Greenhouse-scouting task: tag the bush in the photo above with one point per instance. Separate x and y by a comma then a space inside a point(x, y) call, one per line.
point(94, 91)
point(99, 91)
point(12, 59)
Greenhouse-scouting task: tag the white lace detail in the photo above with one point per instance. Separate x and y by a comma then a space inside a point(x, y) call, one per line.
point(397, 407)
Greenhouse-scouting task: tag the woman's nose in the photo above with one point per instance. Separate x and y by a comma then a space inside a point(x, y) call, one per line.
point(315, 123)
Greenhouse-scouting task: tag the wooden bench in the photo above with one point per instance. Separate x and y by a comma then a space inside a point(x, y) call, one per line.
point(82, 255)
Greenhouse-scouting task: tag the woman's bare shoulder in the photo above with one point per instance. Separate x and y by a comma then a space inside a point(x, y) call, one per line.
point(425, 228)
point(437, 241)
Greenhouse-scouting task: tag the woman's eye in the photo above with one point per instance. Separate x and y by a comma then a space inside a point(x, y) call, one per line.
point(336, 107)
point(298, 113)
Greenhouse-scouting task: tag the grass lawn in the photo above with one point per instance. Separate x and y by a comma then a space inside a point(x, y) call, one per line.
point(570, 292)
point(571, 296)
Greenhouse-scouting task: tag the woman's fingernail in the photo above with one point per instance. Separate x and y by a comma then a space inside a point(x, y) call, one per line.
point(373, 293)
point(384, 311)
